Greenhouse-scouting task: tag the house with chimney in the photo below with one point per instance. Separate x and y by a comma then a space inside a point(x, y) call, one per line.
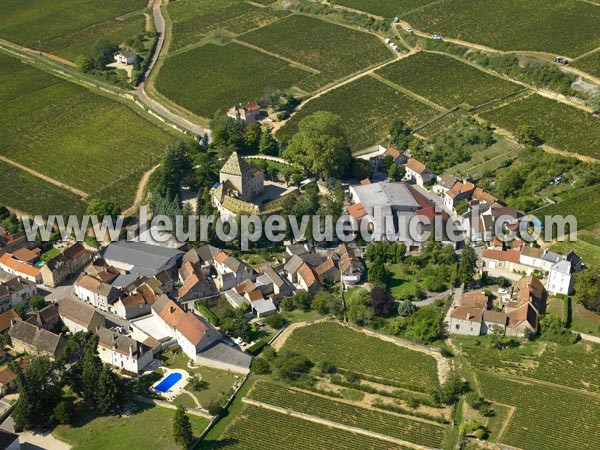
point(29, 338)
point(123, 352)
point(66, 264)
point(77, 316)
point(16, 291)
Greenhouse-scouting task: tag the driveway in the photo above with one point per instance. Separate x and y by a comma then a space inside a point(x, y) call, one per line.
point(35, 441)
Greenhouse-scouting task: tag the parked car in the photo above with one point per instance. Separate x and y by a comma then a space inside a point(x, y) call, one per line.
point(437, 37)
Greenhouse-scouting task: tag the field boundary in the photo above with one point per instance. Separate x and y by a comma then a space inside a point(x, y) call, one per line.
point(66, 187)
point(410, 93)
point(329, 423)
point(278, 56)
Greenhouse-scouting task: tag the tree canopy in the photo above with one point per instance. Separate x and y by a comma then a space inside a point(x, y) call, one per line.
point(320, 145)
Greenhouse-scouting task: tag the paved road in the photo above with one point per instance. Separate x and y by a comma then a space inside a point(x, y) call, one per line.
point(159, 22)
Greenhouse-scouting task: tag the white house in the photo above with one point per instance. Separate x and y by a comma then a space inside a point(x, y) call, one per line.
point(230, 271)
point(123, 352)
point(10, 264)
point(192, 334)
point(98, 294)
point(560, 280)
point(77, 316)
point(418, 172)
point(466, 320)
point(125, 56)
point(16, 291)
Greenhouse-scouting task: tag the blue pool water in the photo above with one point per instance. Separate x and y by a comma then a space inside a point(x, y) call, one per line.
point(170, 381)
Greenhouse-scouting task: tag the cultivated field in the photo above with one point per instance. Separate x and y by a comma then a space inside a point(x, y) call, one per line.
point(546, 417)
point(367, 106)
point(566, 27)
point(446, 81)
point(560, 126)
point(25, 192)
point(393, 425)
point(354, 351)
point(79, 138)
point(589, 63)
point(571, 202)
point(66, 26)
point(193, 20)
point(208, 78)
point(259, 428)
point(572, 365)
point(385, 8)
point(333, 50)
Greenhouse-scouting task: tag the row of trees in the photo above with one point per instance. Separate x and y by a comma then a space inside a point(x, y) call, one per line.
point(42, 395)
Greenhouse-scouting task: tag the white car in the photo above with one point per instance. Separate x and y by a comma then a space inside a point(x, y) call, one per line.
point(502, 291)
point(410, 30)
point(239, 341)
point(437, 37)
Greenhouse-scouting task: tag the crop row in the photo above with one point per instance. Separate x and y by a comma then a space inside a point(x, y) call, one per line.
point(379, 422)
point(258, 428)
point(35, 22)
point(545, 417)
point(567, 27)
point(334, 50)
point(358, 352)
point(560, 126)
point(367, 107)
point(68, 133)
point(446, 81)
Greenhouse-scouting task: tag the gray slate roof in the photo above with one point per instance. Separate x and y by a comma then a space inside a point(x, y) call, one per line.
point(147, 259)
point(219, 351)
point(385, 194)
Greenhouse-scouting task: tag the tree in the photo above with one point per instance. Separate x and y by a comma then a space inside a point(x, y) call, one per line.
point(325, 303)
point(377, 272)
point(100, 208)
point(268, 145)
point(37, 302)
point(182, 429)
point(361, 169)
point(63, 412)
point(358, 308)
point(253, 137)
point(110, 392)
point(302, 300)
point(382, 302)
point(87, 371)
point(587, 287)
point(276, 321)
point(84, 64)
point(260, 366)
point(19, 308)
point(320, 145)
point(406, 308)
point(292, 366)
point(466, 267)
point(527, 135)
point(396, 172)
point(423, 326)
point(399, 134)
point(39, 393)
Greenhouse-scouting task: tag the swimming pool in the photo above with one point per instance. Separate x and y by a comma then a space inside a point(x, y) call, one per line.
point(168, 382)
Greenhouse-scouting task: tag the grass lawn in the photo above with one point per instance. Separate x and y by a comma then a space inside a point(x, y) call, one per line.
point(220, 382)
point(49, 254)
point(301, 316)
point(150, 428)
point(489, 159)
point(401, 283)
point(585, 321)
point(588, 251)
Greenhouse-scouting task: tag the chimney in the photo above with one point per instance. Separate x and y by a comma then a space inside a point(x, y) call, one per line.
point(171, 309)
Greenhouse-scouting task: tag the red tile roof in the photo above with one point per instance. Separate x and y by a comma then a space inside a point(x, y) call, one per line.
point(508, 255)
point(416, 166)
point(18, 266)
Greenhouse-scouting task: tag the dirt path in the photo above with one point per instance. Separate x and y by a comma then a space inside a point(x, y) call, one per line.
point(404, 24)
point(83, 195)
point(278, 56)
point(331, 424)
point(140, 192)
